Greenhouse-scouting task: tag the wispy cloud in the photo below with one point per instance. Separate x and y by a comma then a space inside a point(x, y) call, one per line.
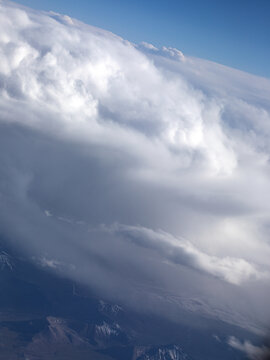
point(253, 352)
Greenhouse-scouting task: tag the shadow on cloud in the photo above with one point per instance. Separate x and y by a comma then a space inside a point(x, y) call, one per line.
point(112, 155)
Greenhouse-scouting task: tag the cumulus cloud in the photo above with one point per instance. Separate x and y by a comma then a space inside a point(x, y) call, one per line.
point(169, 52)
point(96, 130)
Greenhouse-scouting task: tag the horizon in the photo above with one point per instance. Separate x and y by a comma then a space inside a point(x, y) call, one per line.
point(234, 35)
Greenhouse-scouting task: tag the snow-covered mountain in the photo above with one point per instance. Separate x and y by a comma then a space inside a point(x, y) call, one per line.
point(170, 352)
point(6, 261)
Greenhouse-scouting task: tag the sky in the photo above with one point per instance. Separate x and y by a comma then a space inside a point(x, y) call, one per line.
point(233, 33)
point(139, 171)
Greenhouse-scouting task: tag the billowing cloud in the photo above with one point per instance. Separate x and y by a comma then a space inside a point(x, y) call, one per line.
point(181, 251)
point(96, 131)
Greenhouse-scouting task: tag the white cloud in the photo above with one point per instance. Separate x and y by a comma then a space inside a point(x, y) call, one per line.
point(149, 46)
point(253, 352)
point(99, 130)
point(47, 213)
point(169, 52)
point(181, 251)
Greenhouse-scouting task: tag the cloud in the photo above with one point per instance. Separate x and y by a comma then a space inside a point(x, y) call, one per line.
point(181, 251)
point(96, 130)
point(253, 352)
point(169, 52)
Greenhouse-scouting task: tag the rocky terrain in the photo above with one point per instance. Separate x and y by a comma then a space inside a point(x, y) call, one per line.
point(43, 316)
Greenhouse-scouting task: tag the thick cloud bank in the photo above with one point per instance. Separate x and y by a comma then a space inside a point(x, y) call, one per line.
point(141, 172)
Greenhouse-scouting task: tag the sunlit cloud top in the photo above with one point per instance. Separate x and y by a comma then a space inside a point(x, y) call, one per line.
point(136, 163)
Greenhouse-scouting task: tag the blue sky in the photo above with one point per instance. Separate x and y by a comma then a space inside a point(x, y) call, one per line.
point(234, 33)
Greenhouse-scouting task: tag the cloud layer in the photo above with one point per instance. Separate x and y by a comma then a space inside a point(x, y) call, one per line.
point(181, 251)
point(104, 142)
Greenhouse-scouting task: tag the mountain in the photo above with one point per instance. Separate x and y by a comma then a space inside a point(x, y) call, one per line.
point(44, 316)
